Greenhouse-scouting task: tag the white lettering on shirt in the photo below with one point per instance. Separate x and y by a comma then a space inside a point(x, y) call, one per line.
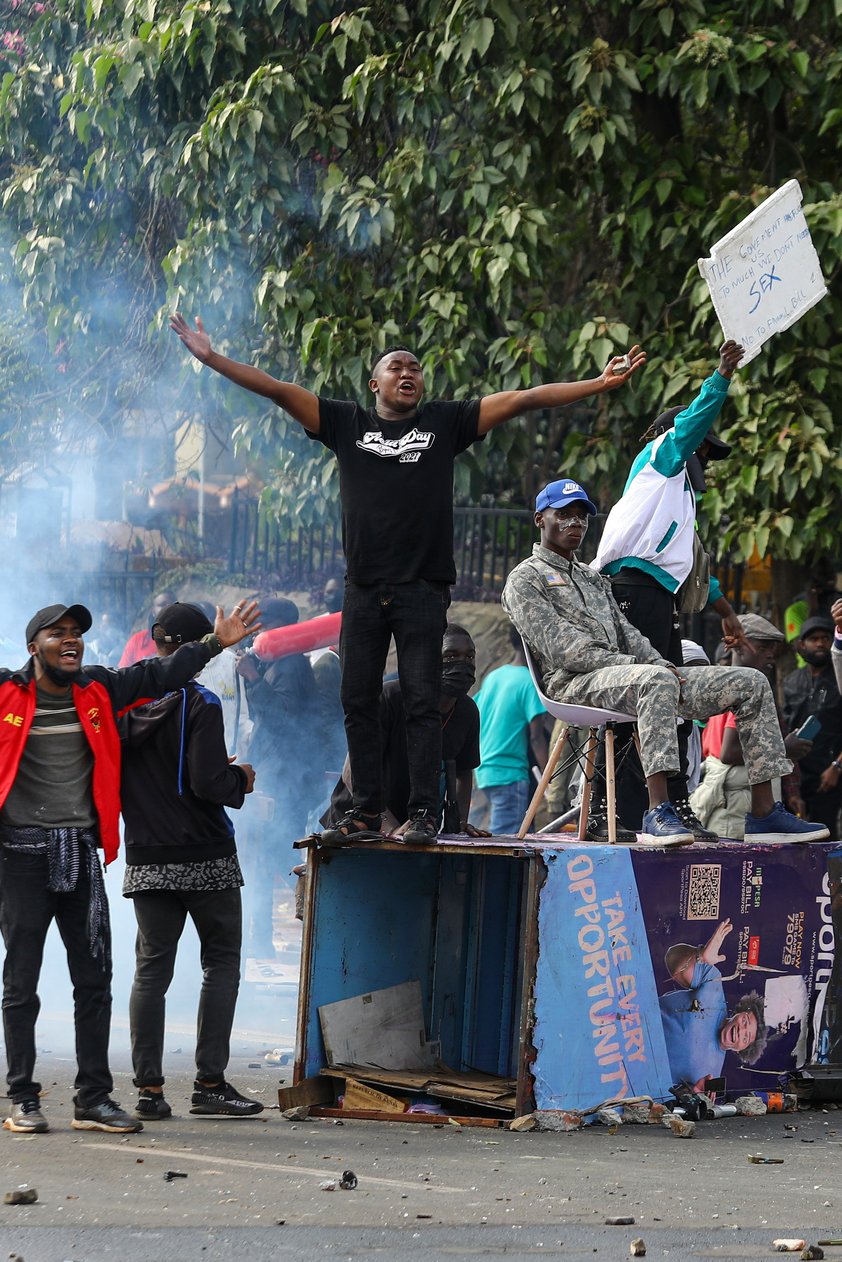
point(415, 441)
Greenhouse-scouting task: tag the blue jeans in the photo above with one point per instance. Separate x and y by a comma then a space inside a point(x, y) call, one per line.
point(415, 614)
point(508, 806)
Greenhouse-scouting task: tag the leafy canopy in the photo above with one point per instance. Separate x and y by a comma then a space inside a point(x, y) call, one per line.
point(517, 190)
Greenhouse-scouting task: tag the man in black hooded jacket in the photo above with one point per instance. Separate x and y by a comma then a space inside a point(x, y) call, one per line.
point(181, 859)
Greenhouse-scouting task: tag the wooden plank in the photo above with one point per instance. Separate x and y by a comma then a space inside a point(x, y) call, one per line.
point(383, 1029)
point(309, 1091)
point(360, 1096)
point(425, 1119)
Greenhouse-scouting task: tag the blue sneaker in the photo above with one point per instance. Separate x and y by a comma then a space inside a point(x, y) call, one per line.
point(781, 825)
point(662, 827)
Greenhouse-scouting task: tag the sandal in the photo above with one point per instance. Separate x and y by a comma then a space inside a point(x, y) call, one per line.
point(352, 827)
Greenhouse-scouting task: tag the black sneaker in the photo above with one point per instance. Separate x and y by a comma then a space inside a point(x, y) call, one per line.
point(685, 813)
point(105, 1116)
point(596, 829)
point(26, 1118)
point(151, 1106)
point(423, 829)
point(352, 827)
point(223, 1100)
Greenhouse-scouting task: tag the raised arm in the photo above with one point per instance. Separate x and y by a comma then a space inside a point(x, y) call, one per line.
point(301, 404)
point(494, 409)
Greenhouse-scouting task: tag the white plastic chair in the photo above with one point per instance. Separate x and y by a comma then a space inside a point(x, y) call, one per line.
point(577, 716)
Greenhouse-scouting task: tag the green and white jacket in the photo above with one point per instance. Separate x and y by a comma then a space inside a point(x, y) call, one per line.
point(651, 526)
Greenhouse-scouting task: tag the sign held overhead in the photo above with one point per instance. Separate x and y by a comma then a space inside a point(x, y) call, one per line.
point(765, 273)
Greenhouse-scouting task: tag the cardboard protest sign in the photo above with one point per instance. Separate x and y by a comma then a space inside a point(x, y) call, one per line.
point(764, 274)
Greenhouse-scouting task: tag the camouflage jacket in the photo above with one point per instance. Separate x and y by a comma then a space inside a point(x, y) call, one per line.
point(567, 614)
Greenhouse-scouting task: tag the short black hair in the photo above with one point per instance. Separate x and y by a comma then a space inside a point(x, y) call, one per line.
point(390, 350)
point(453, 628)
point(753, 1003)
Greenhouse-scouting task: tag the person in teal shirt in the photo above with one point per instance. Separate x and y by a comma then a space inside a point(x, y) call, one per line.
point(512, 721)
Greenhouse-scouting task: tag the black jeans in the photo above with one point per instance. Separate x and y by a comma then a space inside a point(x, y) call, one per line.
point(161, 916)
point(415, 614)
point(27, 908)
point(651, 609)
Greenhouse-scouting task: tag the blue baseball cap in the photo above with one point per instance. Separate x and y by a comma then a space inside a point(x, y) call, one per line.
point(558, 494)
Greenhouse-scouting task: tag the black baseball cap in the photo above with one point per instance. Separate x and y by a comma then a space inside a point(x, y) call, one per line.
point(49, 616)
point(718, 449)
point(181, 623)
point(818, 622)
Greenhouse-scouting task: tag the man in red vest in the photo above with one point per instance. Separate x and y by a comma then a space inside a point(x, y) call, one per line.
point(59, 802)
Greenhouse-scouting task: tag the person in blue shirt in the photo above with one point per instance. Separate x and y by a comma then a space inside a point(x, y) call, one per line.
point(512, 721)
point(697, 1028)
point(647, 551)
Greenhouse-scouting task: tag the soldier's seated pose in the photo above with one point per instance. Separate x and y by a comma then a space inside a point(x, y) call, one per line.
point(589, 654)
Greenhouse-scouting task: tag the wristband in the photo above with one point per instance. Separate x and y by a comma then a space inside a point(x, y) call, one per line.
point(213, 643)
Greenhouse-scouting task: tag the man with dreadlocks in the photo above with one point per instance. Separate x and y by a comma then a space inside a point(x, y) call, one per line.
point(647, 550)
point(396, 488)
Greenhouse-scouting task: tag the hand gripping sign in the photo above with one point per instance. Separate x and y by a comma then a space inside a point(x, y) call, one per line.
point(765, 273)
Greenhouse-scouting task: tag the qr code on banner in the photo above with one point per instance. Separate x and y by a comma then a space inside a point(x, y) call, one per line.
point(703, 891)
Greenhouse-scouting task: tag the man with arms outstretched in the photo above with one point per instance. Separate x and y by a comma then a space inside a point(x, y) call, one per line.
point(396, 487)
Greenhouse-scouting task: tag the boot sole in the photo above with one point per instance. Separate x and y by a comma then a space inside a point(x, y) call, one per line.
point(819, 834)
point(334, 841)
point(40, 1128)
point(79, 1124)
point(201, 1110)
point(677, 839)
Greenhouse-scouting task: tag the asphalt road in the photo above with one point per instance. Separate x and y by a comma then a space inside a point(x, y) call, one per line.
point(253, 1187)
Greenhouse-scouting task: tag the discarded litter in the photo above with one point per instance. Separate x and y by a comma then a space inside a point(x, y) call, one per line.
point(348, 1181)
point(279, 1056)
point(329, 1185)
point(637, 1248)
point(812, 1253)
point(789, 1246)
point(169, 1175)
point(624, 1220)
point(21, 1196)
point(754, 1160)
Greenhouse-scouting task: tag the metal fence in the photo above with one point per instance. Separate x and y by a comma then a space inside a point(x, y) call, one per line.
point(487, 543)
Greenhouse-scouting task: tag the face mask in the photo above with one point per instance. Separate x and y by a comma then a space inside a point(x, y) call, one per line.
point(333, 602)
point(816, 657)
point(457, 678)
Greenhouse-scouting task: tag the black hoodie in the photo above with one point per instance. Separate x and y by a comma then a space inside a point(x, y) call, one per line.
point(176, 780)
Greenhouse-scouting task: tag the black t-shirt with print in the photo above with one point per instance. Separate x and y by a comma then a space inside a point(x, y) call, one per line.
point(396, 487)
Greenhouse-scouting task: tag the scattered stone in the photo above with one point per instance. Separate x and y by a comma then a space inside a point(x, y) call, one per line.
point(750, 1106)
point(637, 1248)
point(329, 1185)
point(169, 1175)
point(21, 1196)
point(789, 1246)
point(299, 1114)
point(525, 1123)
point(558, 1120)
point(812, 1253)
point(609, 1117)
point(348, 1181)
point(637, 1113)
point(624, 1220)
point(755, 1160)
point(680, 1126)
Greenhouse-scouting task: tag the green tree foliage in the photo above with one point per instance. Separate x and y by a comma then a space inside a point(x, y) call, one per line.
point(517, 190)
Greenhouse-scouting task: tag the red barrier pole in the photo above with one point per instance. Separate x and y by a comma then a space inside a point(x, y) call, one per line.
point(301, 637)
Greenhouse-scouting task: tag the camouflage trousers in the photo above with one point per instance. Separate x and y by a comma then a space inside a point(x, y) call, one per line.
point(655, 695)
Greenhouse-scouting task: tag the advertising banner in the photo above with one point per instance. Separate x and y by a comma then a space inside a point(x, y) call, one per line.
point(686, 966)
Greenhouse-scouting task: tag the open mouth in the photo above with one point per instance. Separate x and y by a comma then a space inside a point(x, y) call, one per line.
point(69, 655)
point(407, 387)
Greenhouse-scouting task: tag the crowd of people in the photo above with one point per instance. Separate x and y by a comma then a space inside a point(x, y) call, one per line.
point(159, 734)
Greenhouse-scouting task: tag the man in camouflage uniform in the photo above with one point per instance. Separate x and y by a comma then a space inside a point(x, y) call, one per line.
point(589, 654)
